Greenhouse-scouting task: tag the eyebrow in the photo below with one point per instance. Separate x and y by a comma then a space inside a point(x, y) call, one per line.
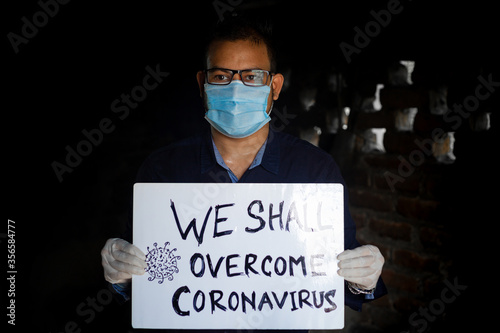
point(246, 69)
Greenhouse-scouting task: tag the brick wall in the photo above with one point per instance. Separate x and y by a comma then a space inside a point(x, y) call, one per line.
point(405, 224)
point(404, 198)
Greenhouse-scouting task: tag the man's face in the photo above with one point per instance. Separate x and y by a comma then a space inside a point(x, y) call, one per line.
point(241, 54)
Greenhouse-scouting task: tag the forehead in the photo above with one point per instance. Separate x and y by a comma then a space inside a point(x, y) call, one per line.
point(239, 54)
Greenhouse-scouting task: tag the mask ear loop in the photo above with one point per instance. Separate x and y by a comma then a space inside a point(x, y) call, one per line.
point(272, 103)
point(271, 108)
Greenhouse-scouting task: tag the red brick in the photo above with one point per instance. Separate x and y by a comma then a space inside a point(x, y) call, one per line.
point(404, 97)
point(407, 304)
point(359, 176)
point(383, 161)
point(400, 281)
point(426, 122)
point(417, 208)
point(398, 143)
point(371, 199)
point(394, 230)
point(381, 119)
point(410, 184)
point(415, 260)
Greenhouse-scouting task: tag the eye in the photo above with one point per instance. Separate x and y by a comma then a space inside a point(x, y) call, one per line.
point(255, 77)
point(249, 77)
point(219, 76)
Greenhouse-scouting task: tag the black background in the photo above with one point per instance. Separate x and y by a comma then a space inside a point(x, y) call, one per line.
point(66, 77)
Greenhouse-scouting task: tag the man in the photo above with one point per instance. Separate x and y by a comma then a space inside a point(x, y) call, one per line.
point(239, 88)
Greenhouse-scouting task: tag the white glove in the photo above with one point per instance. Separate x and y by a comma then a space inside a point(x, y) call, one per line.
point(120, 260)
point(361, 266)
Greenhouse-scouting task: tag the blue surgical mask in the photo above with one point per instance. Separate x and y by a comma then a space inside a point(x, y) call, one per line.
point(237, 110)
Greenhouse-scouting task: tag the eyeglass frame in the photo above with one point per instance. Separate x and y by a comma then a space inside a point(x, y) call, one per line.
point(237, 71)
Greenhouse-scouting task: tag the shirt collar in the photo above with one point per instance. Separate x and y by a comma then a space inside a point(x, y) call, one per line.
point(268, 156)
point(271, 158)
point(256, 162)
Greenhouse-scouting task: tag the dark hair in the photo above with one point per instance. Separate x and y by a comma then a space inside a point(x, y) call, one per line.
point(240, 28)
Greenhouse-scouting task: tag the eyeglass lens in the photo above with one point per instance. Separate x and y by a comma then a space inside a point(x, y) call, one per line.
point(254, 77)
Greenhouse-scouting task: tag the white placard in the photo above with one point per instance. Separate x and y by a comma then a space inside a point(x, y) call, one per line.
point(238, 256)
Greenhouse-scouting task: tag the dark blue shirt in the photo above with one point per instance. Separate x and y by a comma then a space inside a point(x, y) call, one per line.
point(284, 159)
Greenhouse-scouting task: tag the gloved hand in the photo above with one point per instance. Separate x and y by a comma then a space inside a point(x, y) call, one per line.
point(120, 260)
point(361, 266)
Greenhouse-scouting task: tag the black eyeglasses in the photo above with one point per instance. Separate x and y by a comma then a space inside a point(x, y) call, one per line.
point(249, 77)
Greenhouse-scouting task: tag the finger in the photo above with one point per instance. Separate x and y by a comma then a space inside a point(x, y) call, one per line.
point(114, 276)
point(124, 262)
point(357, 252)
point(123, 267)
point(106, 250)
point(348, 273)
point(127, 254)
point(365, 261)
point(364, 283)
point(124, 246)
point(123, 259)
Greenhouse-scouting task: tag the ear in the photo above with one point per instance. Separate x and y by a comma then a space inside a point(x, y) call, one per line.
point(276, 85)
point(200, 77)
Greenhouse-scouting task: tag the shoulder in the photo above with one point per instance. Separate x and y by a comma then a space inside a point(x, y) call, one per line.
point(173, 161)
point(301, 161)
point(295, 147)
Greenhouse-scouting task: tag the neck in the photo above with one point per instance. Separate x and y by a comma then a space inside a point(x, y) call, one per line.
point(238, 154)
point(244, 146)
